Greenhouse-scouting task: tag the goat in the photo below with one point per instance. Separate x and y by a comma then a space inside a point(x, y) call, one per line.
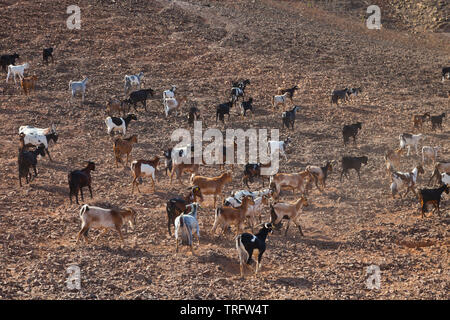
point(439, 168)
point(76, 86)
point(288, 211)
point(96, 217)
point(7, 59)
point(351, 130)
point(295, 181)
point(139, 96)
point(212, 185)
point(28, 84)
point(47, 53)
point(253, 170)
point(185, 225)
point(254, 209)
point(246, 105)
point(80, 178)
point(115, 105)
point(193, 115)
point(429, 153)
point(172, 104)
point(352, 163)
point(278, 145)
point(433, 196)
point(133, 80)
point(236, 196)
point(405, 179)
point(320, 174)
point(354, 92)
point(445, 178)
point(392, 158)
point(123, 146)
point(281, 99)
point(176, 206)
point(16, 70)
point(290, 91)
point(445, 73)
point(337, 95)
point(179, 168)
point(119, 124)
point(238, 90)
point(288, 117)
point(408, 140)
point(142, 168)
point(419, 119)
point(436, 121)
point(247, 242)
point(36, 136)
point(170, 93)
point(226, 216)
point(28, 160)
point(223, 109)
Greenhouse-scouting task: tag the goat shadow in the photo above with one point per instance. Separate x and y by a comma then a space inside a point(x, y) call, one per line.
point(361, 109)
point(224, 263)
point(300, 283)
point(52, 189)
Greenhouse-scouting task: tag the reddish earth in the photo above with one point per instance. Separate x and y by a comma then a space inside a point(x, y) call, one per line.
point(200, 46)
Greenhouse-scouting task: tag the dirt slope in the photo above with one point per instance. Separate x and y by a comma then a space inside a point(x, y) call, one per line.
point(200, 46)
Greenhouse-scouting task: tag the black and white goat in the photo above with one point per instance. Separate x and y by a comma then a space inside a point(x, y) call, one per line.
point(133, 80)
point(185, 225)
point(445, 73)
point(119, 124)
point(238, 90)
point(32, 136)
point(246, 243)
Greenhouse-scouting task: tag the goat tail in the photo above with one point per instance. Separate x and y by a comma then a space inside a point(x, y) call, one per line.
point(186, 232)
point(84, 208)
point(242, 252)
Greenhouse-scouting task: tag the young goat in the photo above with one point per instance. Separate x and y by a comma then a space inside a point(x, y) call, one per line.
point(279, 100)
point(408, 140)
point(337, 95)
point(405, 179)
point(7, 59)
point(76, 86)
point(295, 181)
point(179, 168)
point(436, 121)
point(419, 119)
point(431, 196)
point(16, 70)
point(28, 160)
point(226, 216)
point(47, 53)
point(133, 80)
point(115, 106)
point(143, 168)
point(80, 178)
point(123, 146)
point(119, 124)
point(351, 131)
point(223, 109)
point(176, 206)
point(96, 217)
point(253, 210)
point(429, 154)
point(288, 211)
point(139, 96)
point(246, 105)
point(320, 174)
point(273, 146)
point(247, 242)
point(186, 225)
point(288, 117)
point(439, 168)
point(172, 104)
point(28, 84)
point(352, 163)
point(212, 185)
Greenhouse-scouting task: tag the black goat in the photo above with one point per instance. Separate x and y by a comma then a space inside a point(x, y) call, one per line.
point(445, 72)
point(247, 242)
point(290, 90)
point(253, 170)
point(47, 53)
point(223, 109)
point(80, 178)
point(436, 121)
point(337, 95)
point(289, 117)
point(246, 105)
point(351, 131)
point(352, 163)
point(194, 114)
point(433, 196)
point(7, 59)
point(177, 206)
point(139, 96)
point(28, 160)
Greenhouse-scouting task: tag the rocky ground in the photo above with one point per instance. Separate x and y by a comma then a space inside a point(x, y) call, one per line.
point(200, 46)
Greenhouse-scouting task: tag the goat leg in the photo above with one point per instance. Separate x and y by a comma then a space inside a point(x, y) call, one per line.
point(90, 190)
point(48, 153)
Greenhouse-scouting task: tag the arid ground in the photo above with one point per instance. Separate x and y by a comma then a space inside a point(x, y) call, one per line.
point(200, 46)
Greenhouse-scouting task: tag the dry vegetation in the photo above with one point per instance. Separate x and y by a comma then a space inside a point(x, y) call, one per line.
point(200, 46)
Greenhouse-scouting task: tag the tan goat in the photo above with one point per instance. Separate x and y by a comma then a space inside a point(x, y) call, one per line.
point(141, 168)
point(295, 181)
point(179, 168)
point(289, 211)
point(212, 185)
point(226, 216)
point(124, 146)
point(392, 159)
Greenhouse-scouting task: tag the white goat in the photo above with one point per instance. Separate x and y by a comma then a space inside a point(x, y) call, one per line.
point(278, 145)
point(131, 80)
point(16, 70)
point(445, 178)
point(170, 93)
point(429, 153)
point(408, 140)
point(185, 225)
point(172, 103)
point(236, 197)
point(405, 180)
point(76, 86)
point(276, 100)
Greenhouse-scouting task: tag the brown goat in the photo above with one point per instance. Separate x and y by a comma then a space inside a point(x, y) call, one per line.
point(141, 168)
point(114, 105)
point(212, 185)
point(124, 146)
point(28, 83)
point(179, 168)
point(419, 119)
point(235, 216)
point(392, 159)
point(295, 181)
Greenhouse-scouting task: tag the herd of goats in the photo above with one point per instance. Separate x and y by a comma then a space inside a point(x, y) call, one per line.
point(243, 208)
